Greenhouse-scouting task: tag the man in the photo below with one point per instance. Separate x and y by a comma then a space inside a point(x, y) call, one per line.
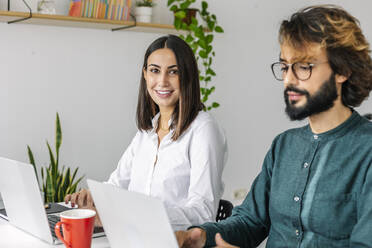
point(315, 187)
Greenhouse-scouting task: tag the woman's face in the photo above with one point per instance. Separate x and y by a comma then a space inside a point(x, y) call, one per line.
point(162, 79)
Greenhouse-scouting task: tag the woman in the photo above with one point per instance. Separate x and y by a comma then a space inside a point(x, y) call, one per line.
point(179, 152)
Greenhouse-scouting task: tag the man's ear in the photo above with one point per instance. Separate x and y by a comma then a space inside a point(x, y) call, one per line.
point(341, 78)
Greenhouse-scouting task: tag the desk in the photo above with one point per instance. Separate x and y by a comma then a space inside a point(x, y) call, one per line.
point(12, 237)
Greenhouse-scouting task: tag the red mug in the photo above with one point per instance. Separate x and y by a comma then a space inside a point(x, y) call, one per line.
point(78, 225)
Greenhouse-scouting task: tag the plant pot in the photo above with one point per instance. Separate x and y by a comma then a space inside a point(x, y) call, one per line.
point(143, 14)
point(189, 14)
point(46, 7)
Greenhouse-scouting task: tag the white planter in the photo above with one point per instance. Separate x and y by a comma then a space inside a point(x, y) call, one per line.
point(143, 14)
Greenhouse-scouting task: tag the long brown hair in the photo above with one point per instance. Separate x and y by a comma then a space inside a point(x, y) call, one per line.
point(340, 34)
point(189, 103)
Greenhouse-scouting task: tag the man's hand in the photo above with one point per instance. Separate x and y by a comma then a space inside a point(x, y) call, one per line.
point(193, 238)
point(84, 200)
point(222, 243)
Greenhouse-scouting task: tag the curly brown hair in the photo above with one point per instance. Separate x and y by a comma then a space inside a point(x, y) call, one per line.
point(340, 34)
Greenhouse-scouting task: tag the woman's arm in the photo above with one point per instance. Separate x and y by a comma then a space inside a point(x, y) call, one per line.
point(208, 155)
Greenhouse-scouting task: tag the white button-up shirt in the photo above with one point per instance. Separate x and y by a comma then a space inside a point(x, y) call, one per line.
point(185, 174)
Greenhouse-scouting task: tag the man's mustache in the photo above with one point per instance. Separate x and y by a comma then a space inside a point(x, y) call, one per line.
point(294, 89)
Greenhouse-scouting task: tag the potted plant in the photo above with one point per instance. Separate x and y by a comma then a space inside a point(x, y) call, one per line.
point(200, 37)
point(55, 183)
point(143, 10)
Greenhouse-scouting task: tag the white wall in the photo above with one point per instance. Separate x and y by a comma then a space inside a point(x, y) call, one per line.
point(91, 78)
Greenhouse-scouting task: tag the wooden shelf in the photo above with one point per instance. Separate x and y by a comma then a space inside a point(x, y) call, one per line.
point(81, 22)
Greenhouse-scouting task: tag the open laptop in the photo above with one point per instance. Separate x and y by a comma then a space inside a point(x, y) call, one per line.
point(131, 219)
point(23, 203)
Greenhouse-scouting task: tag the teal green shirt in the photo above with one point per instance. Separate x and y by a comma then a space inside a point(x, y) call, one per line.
point(314, 190)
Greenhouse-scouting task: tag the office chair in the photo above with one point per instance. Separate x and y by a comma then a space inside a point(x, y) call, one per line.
point(224, 210)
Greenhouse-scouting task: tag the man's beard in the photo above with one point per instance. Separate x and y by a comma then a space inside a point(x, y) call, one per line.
point(321, 101)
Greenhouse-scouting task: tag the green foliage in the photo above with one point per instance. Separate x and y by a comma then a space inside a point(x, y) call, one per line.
point(200, 37)
point(55, 183)
point(145, 3)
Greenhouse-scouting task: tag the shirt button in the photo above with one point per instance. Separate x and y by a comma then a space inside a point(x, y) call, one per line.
point(297, 232)
point(316, 137)
point(296, 198)
point(306, 165)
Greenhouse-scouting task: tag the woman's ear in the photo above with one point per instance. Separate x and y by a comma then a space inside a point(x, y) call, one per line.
point(144, 73)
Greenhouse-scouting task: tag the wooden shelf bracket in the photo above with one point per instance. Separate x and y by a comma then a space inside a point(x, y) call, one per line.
point(22, 19)
point(126, 27)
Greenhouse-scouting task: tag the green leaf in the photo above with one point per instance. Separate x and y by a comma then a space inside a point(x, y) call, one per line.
point(52, 160)
point(32, 161)
point(184, 26)
point(177, 23)
point(50, 190)
point(209, 49)
point(209, 108)
point(210, 72)
point(218, 29)
point(203, 54)
point(204, 5)
point(194, 21)
point(58, 136)
point(214, 17)
point(189, 38)
point(213, 89)
point(215, 105)
point(170, 2)
point(209, 38)
point(185, 5)
point(180, 14)
point(174, 8)
point(202, 44)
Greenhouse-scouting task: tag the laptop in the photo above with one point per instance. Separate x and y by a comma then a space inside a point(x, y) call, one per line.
point(23, 203)
point(131, 219)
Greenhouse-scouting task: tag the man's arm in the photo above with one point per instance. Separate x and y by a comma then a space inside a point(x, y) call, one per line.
point(361, 234)
point(250, 222)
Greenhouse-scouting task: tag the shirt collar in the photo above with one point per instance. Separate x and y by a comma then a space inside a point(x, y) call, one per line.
point(338, 131)
point(155, 122)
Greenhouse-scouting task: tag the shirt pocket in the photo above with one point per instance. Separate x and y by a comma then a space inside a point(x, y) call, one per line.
point(333, 217)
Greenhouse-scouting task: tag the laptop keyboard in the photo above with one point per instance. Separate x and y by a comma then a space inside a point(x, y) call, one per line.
point(53, 219)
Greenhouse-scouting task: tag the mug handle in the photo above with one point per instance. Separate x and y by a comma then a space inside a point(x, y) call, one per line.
point(57, 230)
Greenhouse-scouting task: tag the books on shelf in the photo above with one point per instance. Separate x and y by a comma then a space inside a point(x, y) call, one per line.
point(101, 9)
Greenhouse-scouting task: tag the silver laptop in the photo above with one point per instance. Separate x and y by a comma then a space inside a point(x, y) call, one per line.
point(131, 219)
point(23, 203)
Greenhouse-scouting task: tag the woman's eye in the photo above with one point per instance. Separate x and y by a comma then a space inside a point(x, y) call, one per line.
point(154, 70)
point(173, 72)
point(284, 68)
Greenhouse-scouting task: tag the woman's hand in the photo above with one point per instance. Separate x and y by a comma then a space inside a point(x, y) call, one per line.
point(83, 199)
point(193, 238)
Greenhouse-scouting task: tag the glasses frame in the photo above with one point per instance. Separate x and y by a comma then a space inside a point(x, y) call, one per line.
point(290, 66)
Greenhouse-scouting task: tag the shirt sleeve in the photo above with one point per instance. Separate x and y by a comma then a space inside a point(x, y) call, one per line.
point(208, 155)
point(250, 223)
point(361, 234)
point(121, 175)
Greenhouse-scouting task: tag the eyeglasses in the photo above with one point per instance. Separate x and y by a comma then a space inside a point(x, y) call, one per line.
point(301, 70)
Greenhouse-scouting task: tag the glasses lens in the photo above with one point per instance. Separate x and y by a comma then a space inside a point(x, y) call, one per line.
point(302, 70)
point(279, 70)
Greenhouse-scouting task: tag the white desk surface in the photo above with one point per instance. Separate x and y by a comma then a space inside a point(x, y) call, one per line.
point(12, 237)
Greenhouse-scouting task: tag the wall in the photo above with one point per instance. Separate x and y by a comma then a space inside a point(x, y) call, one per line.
point(91, 78)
